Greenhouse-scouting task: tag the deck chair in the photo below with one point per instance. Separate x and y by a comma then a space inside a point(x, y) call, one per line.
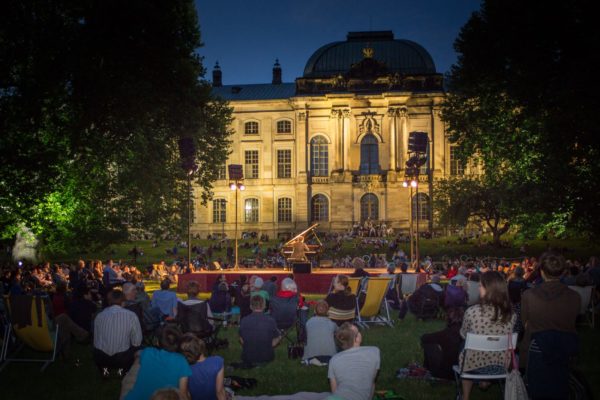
point(495, 343)
point(409, 284)
point(353, 283)
point(371, 310)
point(29, 324)
point(587, 303)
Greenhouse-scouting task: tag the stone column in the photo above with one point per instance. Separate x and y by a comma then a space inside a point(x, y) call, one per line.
point(336, 116)
point(346, 138)
point(403, 142)
point(392, 113)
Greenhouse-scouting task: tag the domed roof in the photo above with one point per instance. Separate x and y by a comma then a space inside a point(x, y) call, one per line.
point(398, 55)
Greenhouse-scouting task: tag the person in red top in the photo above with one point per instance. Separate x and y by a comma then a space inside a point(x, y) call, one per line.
point(66, 326)
point(452, 272)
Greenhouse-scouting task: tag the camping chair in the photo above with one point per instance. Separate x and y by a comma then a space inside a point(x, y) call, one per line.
point(495, 343)
point(409, 284)
point(194, 319)
point(285, 315)
point(587, 303)
point(370, 311)
point(30, 325)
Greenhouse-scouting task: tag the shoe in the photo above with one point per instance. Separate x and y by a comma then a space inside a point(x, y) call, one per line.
point(315, 361)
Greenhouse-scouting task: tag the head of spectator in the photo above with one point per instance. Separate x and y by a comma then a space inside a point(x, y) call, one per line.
point(493, 291)
point(169, 337)
point(192, 348)
point(435, 279)
point(258, 284)
point(341, 284)
point(129, 291)
point(321, 308)
point(115, 297)
point(391, 269)
point(462, 271)
point(403, 267)
point(192, 290)
point(166, 394)
point(223, 287)
point(288, 285)
point(165, 284)
point(348, 336)
point(257, 303)
point(553, 265)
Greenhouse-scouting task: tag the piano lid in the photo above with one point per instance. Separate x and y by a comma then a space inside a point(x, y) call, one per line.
point(305, 233)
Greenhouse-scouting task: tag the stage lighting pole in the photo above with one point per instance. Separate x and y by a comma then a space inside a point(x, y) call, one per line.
point(189, 243)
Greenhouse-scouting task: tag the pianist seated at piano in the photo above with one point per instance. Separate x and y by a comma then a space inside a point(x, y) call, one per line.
point(299, 250)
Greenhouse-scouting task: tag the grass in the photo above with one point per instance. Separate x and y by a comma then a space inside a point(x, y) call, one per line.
point(399, 346)
point(437, 248)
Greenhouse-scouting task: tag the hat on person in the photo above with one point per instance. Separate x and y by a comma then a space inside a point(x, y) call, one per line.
point(258, 283)
point(435, 279)
point(462, 270)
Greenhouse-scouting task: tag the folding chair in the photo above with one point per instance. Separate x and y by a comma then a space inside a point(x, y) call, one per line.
point(194, 319)
point(491, 343)
point(284, 312)
point(587, 303)
point(29, 324)
point(370, 312)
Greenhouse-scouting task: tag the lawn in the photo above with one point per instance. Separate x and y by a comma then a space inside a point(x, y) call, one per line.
point(77, 377)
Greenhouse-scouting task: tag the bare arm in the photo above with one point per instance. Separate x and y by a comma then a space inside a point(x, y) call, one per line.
point(220, 385)
point(183, 388)
point(332, 385)
point(276, 341)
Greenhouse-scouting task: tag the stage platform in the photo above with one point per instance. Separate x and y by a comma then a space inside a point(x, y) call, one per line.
point(316, 282)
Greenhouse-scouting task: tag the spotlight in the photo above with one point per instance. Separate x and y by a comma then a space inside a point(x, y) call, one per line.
point(404, 184)
point(232, 186)
point(413, 183)
point(242, 187)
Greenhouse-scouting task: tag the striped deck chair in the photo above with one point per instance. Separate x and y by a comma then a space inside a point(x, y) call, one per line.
point(30, 325)
point(374, 304)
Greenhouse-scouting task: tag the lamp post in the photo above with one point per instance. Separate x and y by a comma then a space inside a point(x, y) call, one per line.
point(236, 182)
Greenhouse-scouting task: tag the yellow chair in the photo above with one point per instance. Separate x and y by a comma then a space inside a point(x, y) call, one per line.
point(29, 323)
point(354, 284)
point(371, 310)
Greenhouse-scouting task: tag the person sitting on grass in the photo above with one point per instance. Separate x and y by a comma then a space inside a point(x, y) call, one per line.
point(441, 349)
point(208, 373)
point(320, 330)
point(257, 288)
point(165, 300)
point(353, 371)
point(258, 334)
point(161, 368)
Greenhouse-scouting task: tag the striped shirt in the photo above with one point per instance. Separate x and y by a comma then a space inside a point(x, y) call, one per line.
point(116, 330)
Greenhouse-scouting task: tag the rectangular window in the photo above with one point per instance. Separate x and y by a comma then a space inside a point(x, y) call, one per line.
point(456, 166)
point(222, 172)
point(219, 211)
point(251, 164)
point(251, 128)
point(284, 163)
point(284, 209)
point(284, 127)
point(251, 210)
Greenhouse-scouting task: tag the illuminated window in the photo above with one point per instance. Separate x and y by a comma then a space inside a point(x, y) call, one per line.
point(251, 210)
point(284, 163)
point(420, 207)
point(251, 128)
point(369, 207)
point(319, 156)
point(284, 209)
point(219, 210)
point(251, 164)
point(222, 172)
point(456, 165)
point(319, 208)
point(284, 126)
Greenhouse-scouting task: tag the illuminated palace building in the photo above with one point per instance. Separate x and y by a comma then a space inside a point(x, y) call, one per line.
point(332, 147)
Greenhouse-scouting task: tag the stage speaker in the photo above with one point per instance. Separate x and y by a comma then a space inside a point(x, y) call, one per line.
point(301, 268)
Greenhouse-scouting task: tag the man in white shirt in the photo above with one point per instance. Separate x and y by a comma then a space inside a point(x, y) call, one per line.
point(117, 335)
point(353, 371)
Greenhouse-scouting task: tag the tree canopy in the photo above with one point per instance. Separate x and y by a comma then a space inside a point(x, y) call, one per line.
point(94, 96)
point(522, 99)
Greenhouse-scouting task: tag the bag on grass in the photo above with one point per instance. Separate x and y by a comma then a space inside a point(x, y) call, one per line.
point(514, 388)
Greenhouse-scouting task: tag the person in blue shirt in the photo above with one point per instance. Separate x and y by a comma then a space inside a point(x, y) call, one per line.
point(161, 368)
point(208, 374)
point(165, 300)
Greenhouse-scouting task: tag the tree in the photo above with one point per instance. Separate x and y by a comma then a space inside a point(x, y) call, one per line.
point(461, 200)
point(94, 96)
point(522, 99)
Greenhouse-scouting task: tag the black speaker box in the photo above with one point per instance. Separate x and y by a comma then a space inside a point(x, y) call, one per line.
point(301, 268)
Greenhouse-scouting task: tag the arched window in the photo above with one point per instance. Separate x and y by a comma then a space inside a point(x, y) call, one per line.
point(319, 208)
point(369, 207)
point(369, 155)
point(319, 156)
point(219, 211)
point(420, 207)
point(251, 210)
point(251, 128)
point(284, 209)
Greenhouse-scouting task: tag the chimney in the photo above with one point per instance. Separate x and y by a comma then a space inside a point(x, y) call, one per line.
point(276, 73)
point(217, 77)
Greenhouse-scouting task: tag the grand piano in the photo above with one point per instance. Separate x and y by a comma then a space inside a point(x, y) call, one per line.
point(312, 241)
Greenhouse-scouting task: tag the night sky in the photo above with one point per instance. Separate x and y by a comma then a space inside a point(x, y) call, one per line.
point(246, 36)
